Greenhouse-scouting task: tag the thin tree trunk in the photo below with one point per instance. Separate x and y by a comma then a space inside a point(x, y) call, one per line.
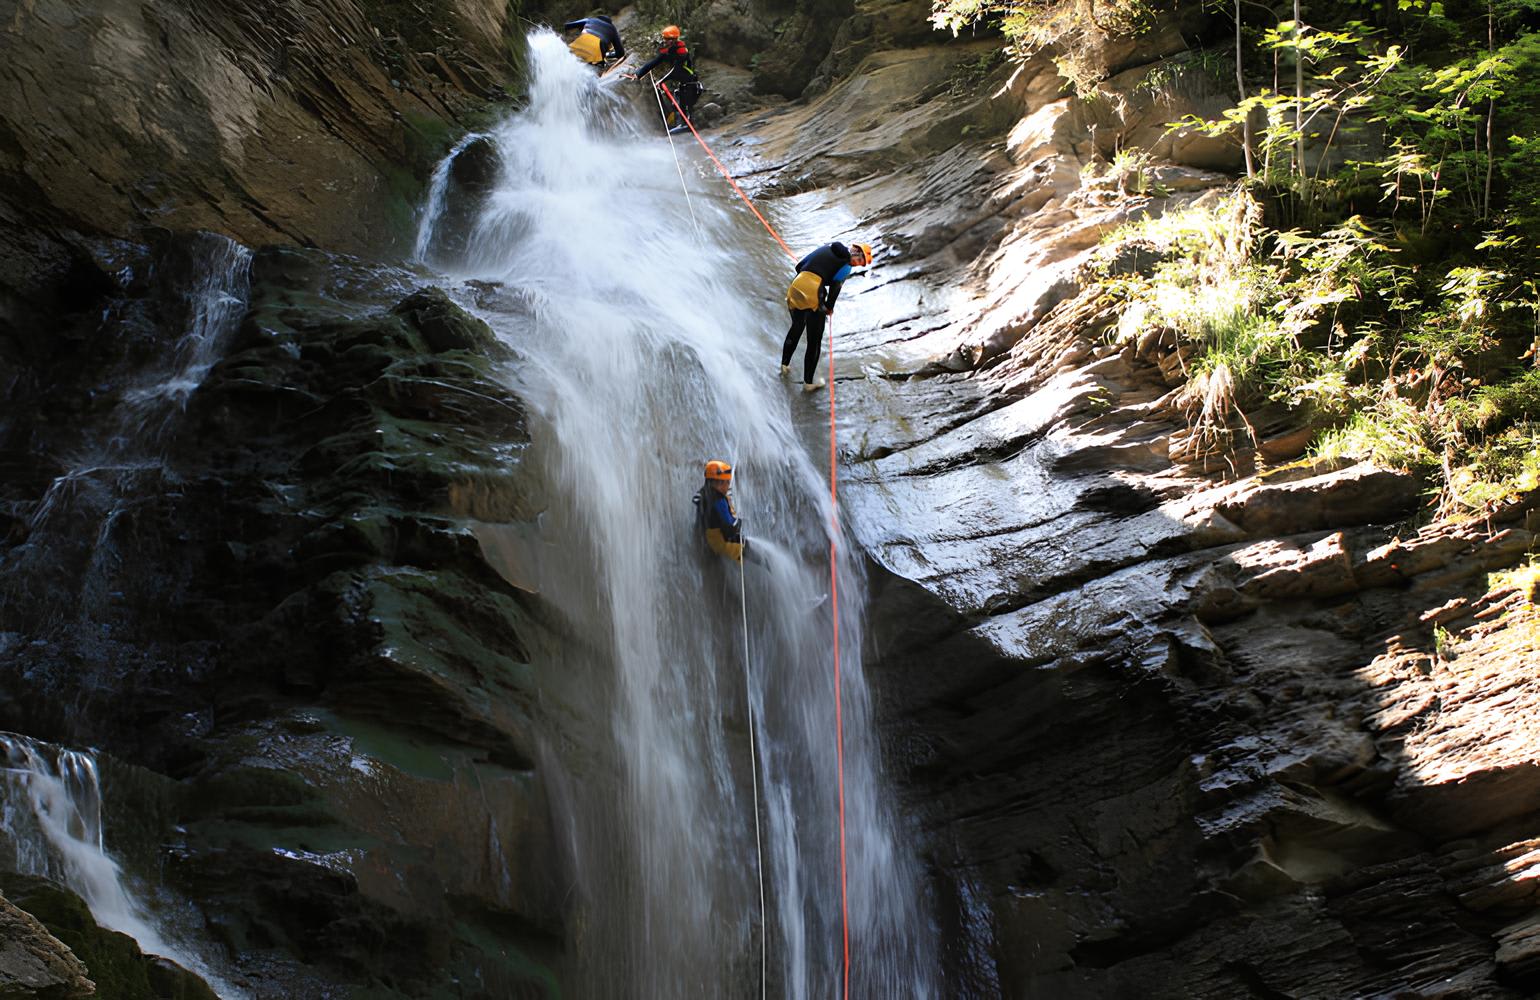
point(1486, 195)
point(1267, 150)
point(1299, 89)
point(1240, 86)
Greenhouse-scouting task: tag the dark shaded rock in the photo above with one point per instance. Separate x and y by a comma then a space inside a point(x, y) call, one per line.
point(116, 965)
point(304, 549)
point(801, 43)
point(444, 325)
point(34, 963)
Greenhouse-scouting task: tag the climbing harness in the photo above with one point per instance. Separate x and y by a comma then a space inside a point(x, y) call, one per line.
point(834, 593)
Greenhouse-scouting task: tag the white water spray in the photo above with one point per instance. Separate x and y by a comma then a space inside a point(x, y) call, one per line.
point(648, 346)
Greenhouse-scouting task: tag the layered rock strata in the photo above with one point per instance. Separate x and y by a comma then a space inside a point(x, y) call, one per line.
point(1174, 733)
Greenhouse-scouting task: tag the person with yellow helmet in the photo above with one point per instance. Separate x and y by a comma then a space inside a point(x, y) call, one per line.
point(811, 297)
point(686, 87)
point(599, 40)
point(715, 515)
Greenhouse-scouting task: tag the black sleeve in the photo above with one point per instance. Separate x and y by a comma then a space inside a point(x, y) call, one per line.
point(647, 68)
point(620, 50)
point(831, 292)
point(580, 22)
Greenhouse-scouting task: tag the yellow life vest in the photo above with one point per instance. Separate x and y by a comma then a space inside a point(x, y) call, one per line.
point(803, 293)
point(588, 48)
point(722, 547)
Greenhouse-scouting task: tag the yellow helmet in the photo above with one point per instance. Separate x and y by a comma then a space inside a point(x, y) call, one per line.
point(719, 471)
point(865, 251)
point(671, 32)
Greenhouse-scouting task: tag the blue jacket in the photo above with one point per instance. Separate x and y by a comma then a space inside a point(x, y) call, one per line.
point(724, 532)
point(601, 28)
point(831, 262)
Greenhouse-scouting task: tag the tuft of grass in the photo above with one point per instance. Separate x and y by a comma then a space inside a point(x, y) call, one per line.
point(1525, 579)
point(1392, 433)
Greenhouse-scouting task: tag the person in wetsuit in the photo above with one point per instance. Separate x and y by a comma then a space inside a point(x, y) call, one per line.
point(811, 297)
point(681, 78)
point(715, 515)
point(599, 40)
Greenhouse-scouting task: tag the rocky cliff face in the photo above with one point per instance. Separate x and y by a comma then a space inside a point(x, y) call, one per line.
point(269, 122)
point(240, 588)
point(282, 605)
point(1175, 733)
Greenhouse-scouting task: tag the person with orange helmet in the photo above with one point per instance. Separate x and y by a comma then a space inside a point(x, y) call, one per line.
point(599, 40)
point(811, 297)
point(715, 514)
point(681, 70)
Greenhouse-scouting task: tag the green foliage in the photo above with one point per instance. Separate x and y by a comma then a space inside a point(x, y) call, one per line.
point(1334, 326)
point(1067, 26)
point(1376, 273)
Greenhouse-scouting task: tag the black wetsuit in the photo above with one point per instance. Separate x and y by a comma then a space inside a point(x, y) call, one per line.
point(601, 28)
point(831, 263)
point(681, 73)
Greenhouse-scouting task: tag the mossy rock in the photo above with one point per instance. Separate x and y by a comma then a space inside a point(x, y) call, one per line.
point(444, 325)
point(120, 970)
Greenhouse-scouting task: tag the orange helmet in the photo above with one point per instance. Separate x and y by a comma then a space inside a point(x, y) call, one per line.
point(719, 471)
point(865, 251)
point(671, 32)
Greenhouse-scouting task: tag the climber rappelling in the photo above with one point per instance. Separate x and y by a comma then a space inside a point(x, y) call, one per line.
point(686, 87)
point(598, 40)
point(715, 515)
point(811, 297)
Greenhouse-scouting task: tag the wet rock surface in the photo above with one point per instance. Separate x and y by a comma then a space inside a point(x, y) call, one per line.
point(281, 603)
point(1176, 729)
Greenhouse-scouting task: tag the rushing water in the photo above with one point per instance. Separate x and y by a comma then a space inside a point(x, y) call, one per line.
point(648, 343)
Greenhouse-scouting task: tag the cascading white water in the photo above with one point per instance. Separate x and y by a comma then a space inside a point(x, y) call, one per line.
point(438, 187)
point(51, 807)
point(649, 344)
point(212, 297)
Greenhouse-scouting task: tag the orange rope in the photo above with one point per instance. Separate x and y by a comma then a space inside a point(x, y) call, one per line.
point(834, 583)
point(686, 119)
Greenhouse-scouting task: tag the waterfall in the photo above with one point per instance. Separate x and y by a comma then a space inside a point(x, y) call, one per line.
point(647, 344)
point(69, 572)
point(207, 282)
point(438, 188)
point(51, 805)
